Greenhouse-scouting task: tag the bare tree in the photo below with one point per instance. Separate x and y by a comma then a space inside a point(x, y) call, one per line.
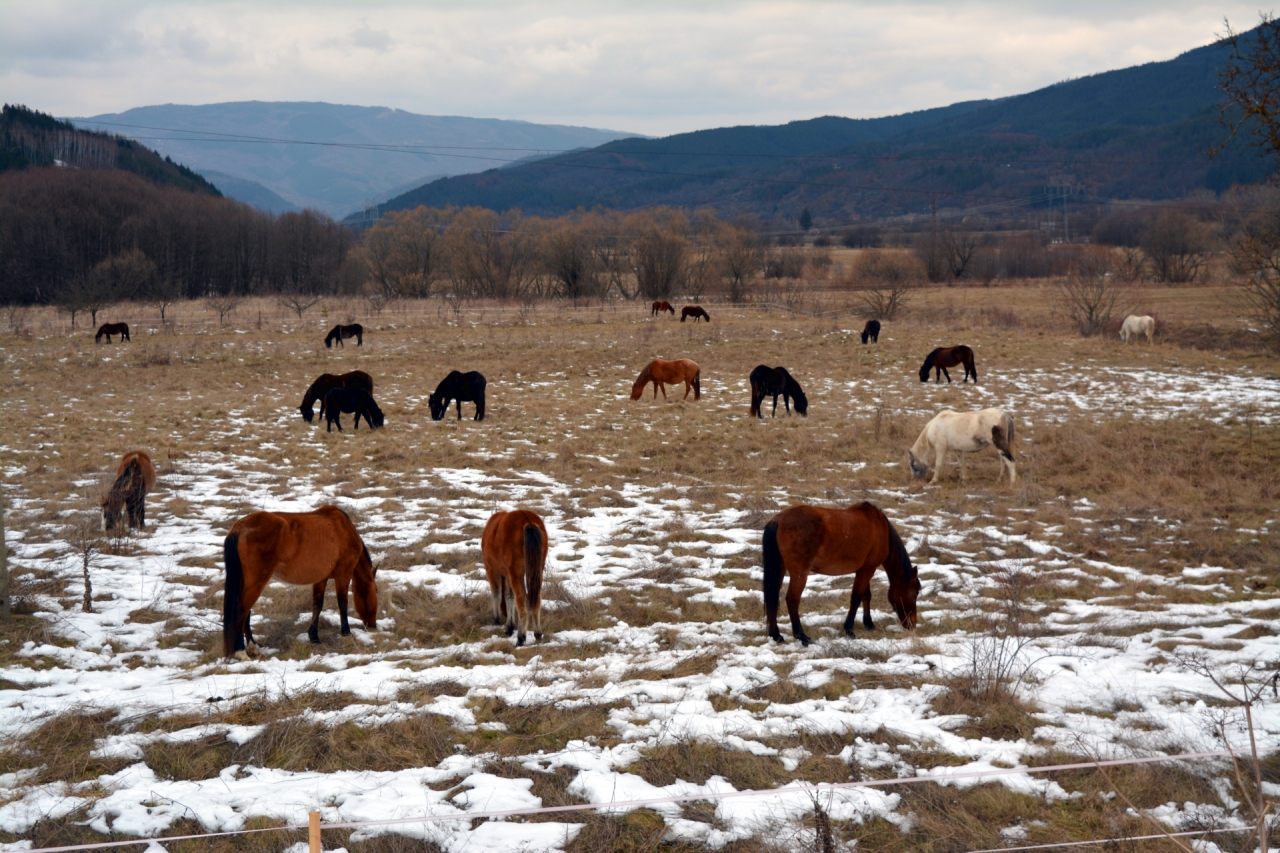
point(163, 294)
point(885, 281)
point(1087, 296)
point(1255, 256)
point(660, 253)
point(489, 255)
point(1131, 263)
point(569, 260)
point(224, 304)
point(299, 302)
point(85, 536)
point(958, 247)
point(1176, 247)
point(403, 251)
point(742, 257)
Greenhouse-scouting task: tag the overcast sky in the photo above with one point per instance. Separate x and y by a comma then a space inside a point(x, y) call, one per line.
point(647, 67)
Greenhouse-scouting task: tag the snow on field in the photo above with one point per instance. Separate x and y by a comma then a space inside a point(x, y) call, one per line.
point(1098, 671)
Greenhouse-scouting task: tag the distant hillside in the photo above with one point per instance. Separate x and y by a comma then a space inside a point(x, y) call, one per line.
point(336, 180)
point(1138, 132)
point(31, 138)
point(251, 193)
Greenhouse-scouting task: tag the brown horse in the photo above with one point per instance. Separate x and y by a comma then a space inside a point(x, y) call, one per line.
point(804, 539)
point(694, 311)
point(943, 357)
point(356, 380)
point(109, 329)
point(135, 476)
point(661, 372)
point(298, 548)
point(514, 547)
point(659, 307)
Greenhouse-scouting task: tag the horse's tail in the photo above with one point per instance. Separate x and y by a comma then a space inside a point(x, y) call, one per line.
point(231, 597)
point(772, 567)
point(532, 564)
point(972, 365)
point(697, 384)
point(1002, 437)
point(756, 399)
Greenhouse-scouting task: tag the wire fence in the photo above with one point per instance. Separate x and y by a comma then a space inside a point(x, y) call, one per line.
point(936, 775)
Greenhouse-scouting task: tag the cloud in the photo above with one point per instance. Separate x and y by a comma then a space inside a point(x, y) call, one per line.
point(655, 67)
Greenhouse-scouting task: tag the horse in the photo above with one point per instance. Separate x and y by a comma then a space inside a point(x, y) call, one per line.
point(659, 307)
point(356, 379)
point(1137, 324)
point(297, 548)
point(804, 539)
point(694, 311)
point(463, 387)
point(340, 332)
point(340, 400)
point(660, 372)
point(775, 382)
point(135, 476)
point(943, 357)
point(109, 329)
point(514, 548)
point(967, 432)
point(871, 332)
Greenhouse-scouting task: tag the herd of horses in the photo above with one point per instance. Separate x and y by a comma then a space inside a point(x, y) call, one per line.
point(697, 312)
point(313, 548)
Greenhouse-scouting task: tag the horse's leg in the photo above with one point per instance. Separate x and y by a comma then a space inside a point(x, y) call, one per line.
point(495, 590)
point(522, 609)
point(317, 604)
point(795, 588)
point(688, 386)
point(939, 461)
point(663, 386)
point(947, 373)
point(961, 455)
point(250, 645)
point(340, 588)
point(459, 408)
point(250, 590)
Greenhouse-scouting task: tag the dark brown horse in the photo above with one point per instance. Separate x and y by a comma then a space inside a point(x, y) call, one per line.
point(802, 540)
point(943, 357)
point(514, 547)
point(297, 548)
point(776, 382)
point(109, 329)
point(694, 311)
point(339, 333)
point(135, 476)
point(661, 372)
point(871, 332)
point(659, 307)
point(356, 380)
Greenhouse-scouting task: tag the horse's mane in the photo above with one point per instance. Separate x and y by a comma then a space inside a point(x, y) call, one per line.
point(898, 555)
point(645, 375)
point(928, 359)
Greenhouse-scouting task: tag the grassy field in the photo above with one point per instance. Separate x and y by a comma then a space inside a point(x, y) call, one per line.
point(1144, 528)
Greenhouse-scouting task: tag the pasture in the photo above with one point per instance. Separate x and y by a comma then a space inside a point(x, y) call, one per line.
point(1054, 621)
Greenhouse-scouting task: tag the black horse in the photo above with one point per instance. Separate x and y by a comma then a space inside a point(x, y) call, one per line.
point(339, 332)
point(340, 400)
point(776, 382)
point(943, 357)
point(463, 387)
point(871, 332)
point(326, 383)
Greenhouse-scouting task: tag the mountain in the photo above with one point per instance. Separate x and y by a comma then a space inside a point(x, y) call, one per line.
point(251, 193)
point(31, 138)
point(1138, 132)
point(339, 162)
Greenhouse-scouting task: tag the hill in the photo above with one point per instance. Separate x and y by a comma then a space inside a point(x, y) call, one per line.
point(32, 138)
point(251, 193)
point(1138, 132)
point(327, 173)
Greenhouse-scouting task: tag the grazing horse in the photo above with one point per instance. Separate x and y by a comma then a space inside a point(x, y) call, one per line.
point(1136, 324)
point(967, 432)
point(775, 382)
point(340, 333)
point(661, 372)
point(871, 332)
point(514, 548)
point(135, 476)
point(804, 539)
point(659, 307)
point(694, 311)
point(341, 400)
point(109, 329)
point(943, 357)
point(297, 548)
point(356, 379)
point(463, 387)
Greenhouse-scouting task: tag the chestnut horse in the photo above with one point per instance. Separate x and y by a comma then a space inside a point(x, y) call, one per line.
point(661, 372)
point(109, 329)
point(694, 311)
point(943, 357)
point(298, 548)
point(659, 307)
point(356, 379)
point(135, 476)
point(340, 333)
point(855, 541)
point(514, 548)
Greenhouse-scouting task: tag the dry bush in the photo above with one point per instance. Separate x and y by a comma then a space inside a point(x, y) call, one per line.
point(1088, 296)
point(885, 281)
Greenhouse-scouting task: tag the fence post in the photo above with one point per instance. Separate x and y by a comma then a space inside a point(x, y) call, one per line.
point(314, 831)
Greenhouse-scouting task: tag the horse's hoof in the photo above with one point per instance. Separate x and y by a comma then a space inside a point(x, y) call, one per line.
point(777, 637)
point(868, 624)
point(510, 630)
point(520, 640)
point(848, 631)
point(346, 632)
point(804, 639)
point(537, 635)
point(241, 655)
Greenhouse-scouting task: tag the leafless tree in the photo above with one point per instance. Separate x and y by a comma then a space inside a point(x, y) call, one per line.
point(1131, 263)
point(568, 258)
point(959, 247)
point(299, 302)
point(489, 255)
point(659, 254)
point(85, 536)
point(1087, 297)
point(162, 294)
point(885, 281)
point(403, 251)
point(1176, 247)
point(1255, 256)
point(742, 257)
point(224, 304)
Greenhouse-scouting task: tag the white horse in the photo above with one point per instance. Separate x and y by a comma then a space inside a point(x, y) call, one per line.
point(962, 433)
point(1136, 324)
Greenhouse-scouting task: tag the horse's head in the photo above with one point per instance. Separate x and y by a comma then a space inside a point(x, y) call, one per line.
point(437, 405)
point(924, 369)
point(918, 468)
point(802, 403)
point(903, 598)
point(365, 586)
point(308, 412)
point(377, 419)
point(865, 335)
